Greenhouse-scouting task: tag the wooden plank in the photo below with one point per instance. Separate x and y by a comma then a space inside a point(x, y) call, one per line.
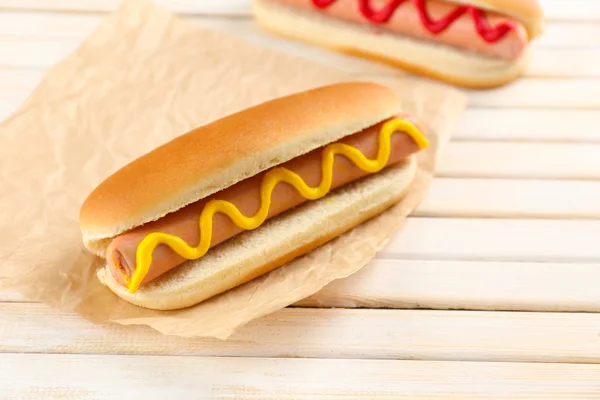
point(17, 53)
point(573, 242)
point(33, 52)
point(29, 25)
point(19, 81)
point(503, 198)
point(517, 124)
point(467, 285)
point(560, 125)
point(325, 333)
point(210, 7)
point(554, 10)
point(526, 92)
point(541, 93)
point(574, 41)
point(567, 62)
point(44, 376)
point(570, 34)
point(521, 160)
point(9, 296)
point(581, 10)
point(531, 93)
point(9, 103)
point(496, 240)
point(476, 124)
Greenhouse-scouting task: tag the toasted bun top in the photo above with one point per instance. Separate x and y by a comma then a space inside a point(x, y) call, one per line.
point(527, 12)
point(220, 154)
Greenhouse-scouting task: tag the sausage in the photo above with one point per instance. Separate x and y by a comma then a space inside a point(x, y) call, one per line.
point(406, 21)
point(245, 195)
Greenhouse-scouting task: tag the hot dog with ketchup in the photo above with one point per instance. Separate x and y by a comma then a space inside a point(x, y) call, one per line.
point(479, 44)
point(234, 199)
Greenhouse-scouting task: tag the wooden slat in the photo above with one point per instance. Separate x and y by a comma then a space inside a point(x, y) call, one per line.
point(43, 376)
point(574, 39)
point(496, 240)
point(526, 93)
point(9, 103)
point(541, 93)
point(564, 62)
point(496, 198)
point(30, 25)
point(521, 160)
point(8, 295)
point(529, 125)
point(211, 7)
point(574, 242)
point(44, 52)
point(325, 333)
point(469, 285)
point(579, 10)
point(34, 52)
point(18, 53)
point(476, 124)
point(554, 10)
point(570, 34)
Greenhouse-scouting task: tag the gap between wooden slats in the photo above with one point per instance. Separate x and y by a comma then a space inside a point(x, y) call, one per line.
point(554, 10)
point(37, 376)
point(325, 333)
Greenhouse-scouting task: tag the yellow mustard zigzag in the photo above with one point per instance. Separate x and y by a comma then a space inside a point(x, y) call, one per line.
point(270, 181)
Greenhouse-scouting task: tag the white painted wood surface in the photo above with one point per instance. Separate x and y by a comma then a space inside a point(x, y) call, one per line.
point(510, 228)
point(153, 377)
point(331, 333)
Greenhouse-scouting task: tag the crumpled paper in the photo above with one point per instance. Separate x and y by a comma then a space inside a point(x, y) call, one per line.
point(143, 77)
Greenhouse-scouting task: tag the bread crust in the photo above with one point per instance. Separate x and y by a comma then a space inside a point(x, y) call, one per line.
point(200, 163)
point(437, 61)
point(267, 248)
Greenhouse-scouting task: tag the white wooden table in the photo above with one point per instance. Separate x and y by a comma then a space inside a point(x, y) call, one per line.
point(511, 223)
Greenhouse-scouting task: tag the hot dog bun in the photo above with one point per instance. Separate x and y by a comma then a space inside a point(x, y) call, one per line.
point(254, 253)
point(427, 58)
point(218, 155)
point(221, 154)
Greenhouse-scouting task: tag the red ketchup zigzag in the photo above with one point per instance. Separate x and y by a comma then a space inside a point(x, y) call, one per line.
point(383, 15)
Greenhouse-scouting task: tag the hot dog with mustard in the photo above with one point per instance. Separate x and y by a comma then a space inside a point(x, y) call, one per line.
point(176, 224)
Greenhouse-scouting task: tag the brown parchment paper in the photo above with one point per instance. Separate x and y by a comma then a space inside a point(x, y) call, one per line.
point(143, 77)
